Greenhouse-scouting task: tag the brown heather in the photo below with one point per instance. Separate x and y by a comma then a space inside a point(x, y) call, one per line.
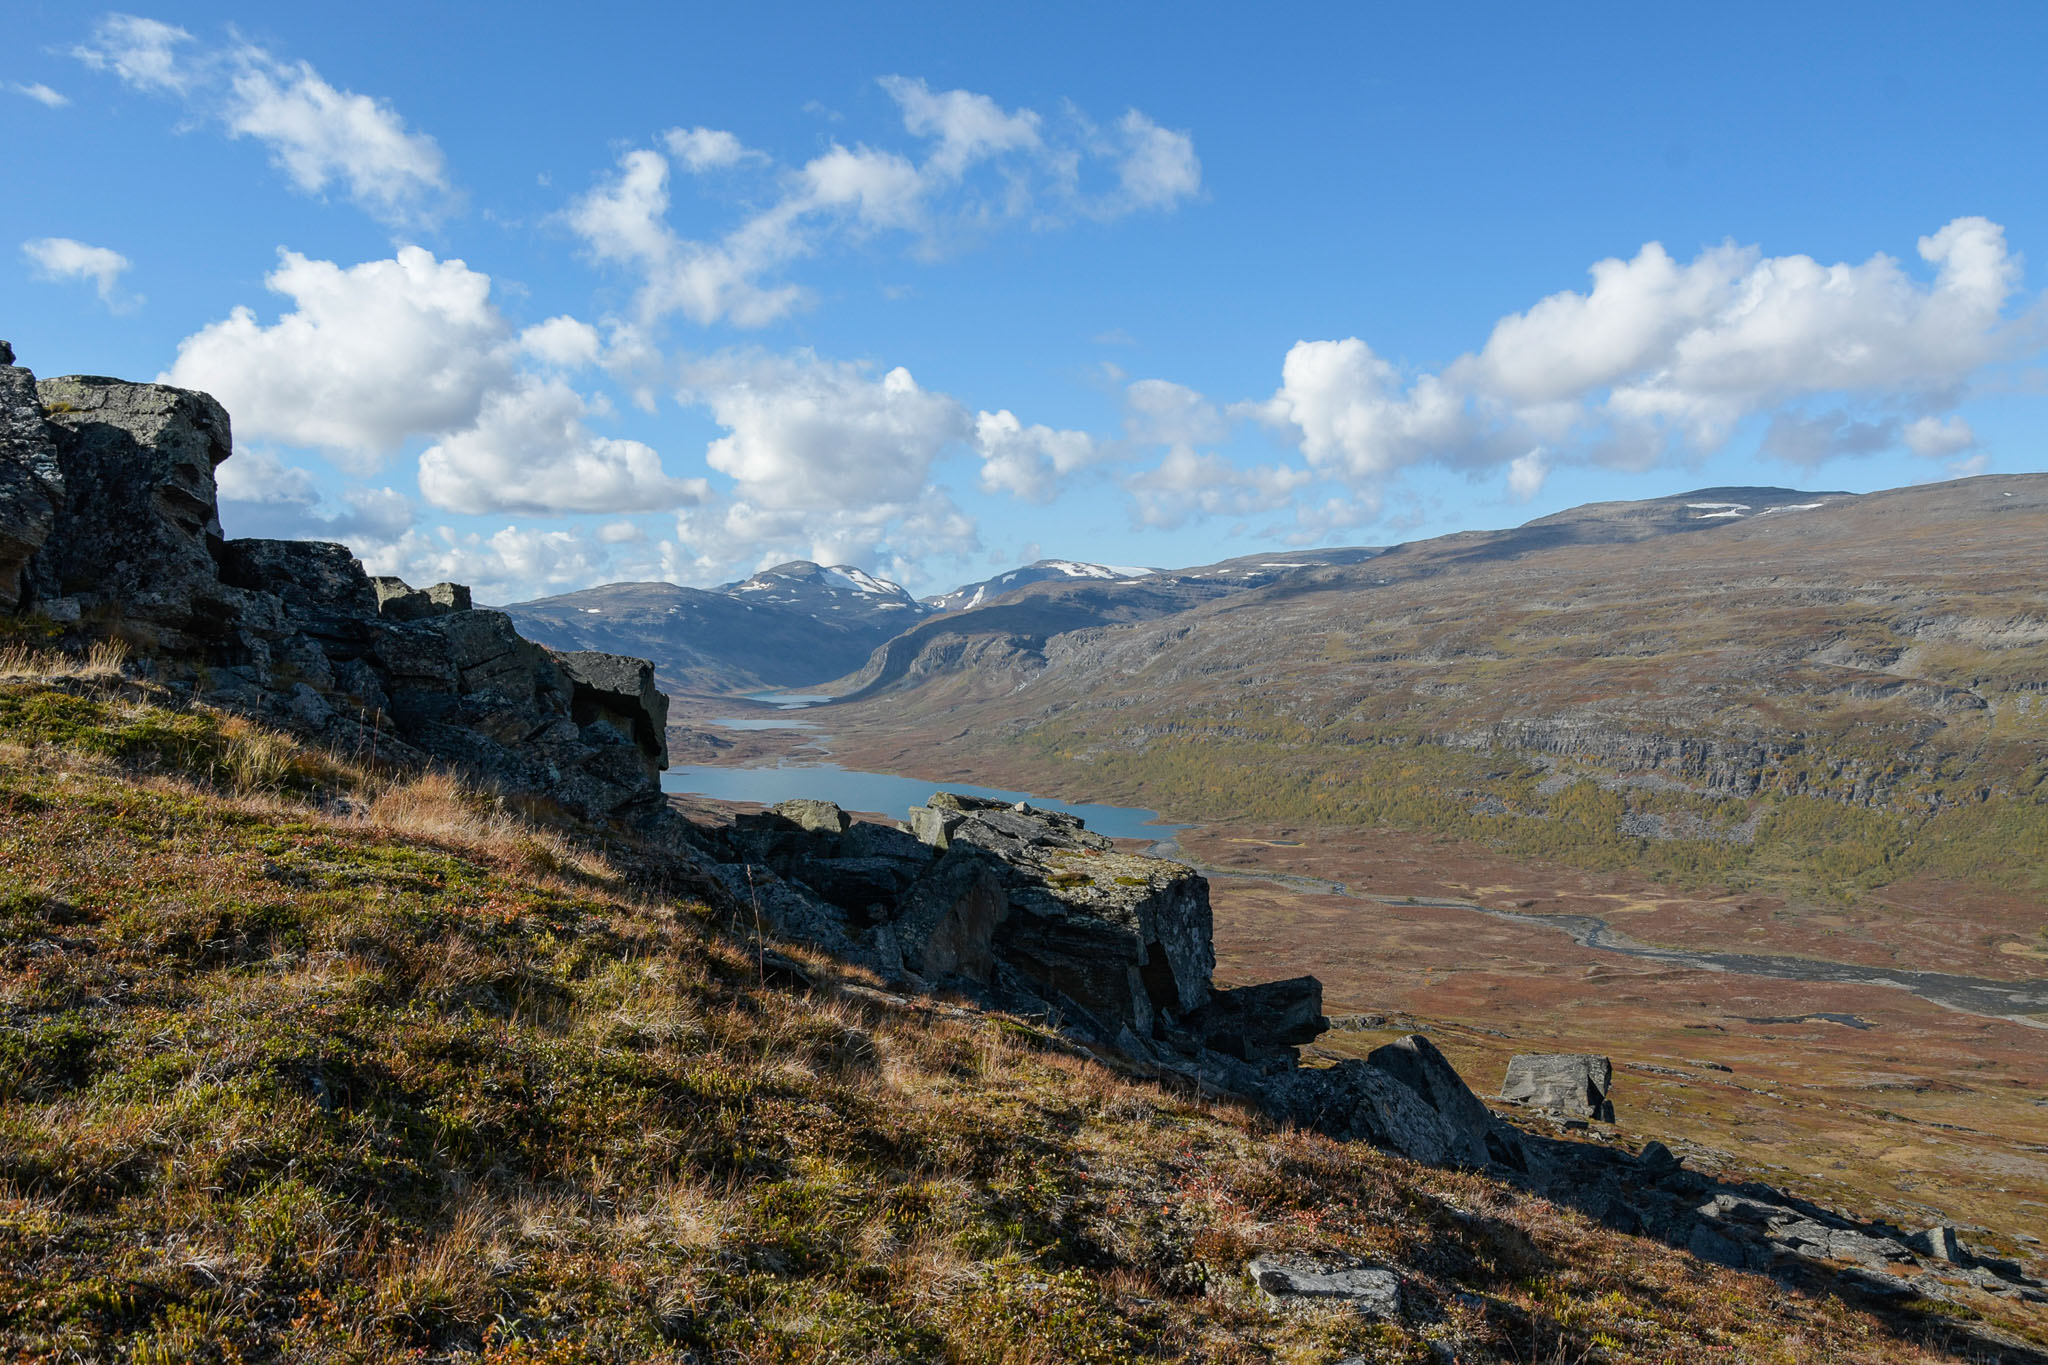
point(300, 1062)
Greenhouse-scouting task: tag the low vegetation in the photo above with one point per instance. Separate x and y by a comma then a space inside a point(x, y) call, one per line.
point(1243, 770)
point(300, 1061)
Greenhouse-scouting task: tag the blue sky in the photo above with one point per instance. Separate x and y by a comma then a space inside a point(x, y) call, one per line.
point(537, 301)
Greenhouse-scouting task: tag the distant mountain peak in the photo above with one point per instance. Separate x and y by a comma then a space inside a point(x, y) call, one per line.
point(800, 582)
point(973, 595)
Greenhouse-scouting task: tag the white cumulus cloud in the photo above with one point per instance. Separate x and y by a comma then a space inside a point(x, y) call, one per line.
point(1663, 357)
point(1031, 462)
point(1527, 473)
point(1187, 483)
point(705, 149)
point(318, 134)
point(810, 433)
point(531, 452)
point(1156, 167)
point(828, 461)
point(1939, 437)
point(368, 356)
point(563, 342)
point(979, 165)
point(61, 259)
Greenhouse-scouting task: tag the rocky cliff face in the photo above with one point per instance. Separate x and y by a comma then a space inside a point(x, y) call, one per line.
point(109, 525)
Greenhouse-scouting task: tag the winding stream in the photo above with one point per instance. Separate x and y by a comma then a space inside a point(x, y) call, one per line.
point(2011, 1000)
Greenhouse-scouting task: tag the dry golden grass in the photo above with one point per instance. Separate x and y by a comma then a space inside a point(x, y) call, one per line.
point(103, 661)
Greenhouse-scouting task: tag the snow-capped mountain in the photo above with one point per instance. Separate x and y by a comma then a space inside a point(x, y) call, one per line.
point(789, 626)
point(1044, 571)
point(839, 590)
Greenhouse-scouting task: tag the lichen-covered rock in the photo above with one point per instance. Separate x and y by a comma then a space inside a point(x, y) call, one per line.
point(1125, 938)
point(31, 485)
point(815, 817)
point(1287, 1282)
point(140, 526)
point(935, 826)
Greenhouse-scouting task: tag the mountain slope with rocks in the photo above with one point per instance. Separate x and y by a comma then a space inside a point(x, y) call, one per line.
point(1722, 680)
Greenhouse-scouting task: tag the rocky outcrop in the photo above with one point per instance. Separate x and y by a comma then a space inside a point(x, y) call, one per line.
point(1030, 911)
point(137, 524)
point(1406, 1097)
point(31, 487)
point(1252, 1023)
point(109, 523)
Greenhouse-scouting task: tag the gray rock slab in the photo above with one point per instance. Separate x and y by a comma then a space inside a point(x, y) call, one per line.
point(1287, 1282)
point(1573, 1083)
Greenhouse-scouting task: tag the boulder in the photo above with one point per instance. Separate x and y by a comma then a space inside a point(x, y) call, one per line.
point(1656, 1161)
point(1356, 1102)
point(616, 692)
point(1940, 1243)
point(1288, 1282)
point(1405, 1097)
point(815, 817)
point(1124, 938)
point(1017, 832)
point(140, 525)
point(934, 825)
point(1415, 1062)
point(1571, 1083)
point(399, 601)
point(1256, 1023)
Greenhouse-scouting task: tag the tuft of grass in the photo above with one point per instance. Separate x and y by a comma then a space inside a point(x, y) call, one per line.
point(101, 661)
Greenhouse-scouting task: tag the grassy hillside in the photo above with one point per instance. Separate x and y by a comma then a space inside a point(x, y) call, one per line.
point(303, 1062)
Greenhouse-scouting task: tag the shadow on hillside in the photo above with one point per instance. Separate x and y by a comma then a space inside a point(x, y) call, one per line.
point(1750, 1226)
